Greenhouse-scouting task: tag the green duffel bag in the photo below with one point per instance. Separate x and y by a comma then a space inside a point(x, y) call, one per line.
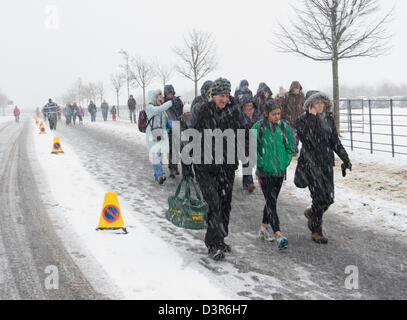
point(187, 213)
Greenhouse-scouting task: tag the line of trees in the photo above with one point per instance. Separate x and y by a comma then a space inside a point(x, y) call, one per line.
point(4, 101)
point(324, 31)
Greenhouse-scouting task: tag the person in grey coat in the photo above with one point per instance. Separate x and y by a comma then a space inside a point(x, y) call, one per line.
point(105, 109)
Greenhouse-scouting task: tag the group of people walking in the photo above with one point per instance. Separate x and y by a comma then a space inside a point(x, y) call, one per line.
point(278, 124)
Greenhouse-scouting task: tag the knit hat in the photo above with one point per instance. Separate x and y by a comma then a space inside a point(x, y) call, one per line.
point(246, 99)
point(310, 93)
point(221, 86)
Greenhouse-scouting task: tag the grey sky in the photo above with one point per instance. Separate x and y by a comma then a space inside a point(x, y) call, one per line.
point(37, 63)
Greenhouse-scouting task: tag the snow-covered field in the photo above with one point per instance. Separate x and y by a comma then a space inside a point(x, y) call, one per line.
point(142, 265)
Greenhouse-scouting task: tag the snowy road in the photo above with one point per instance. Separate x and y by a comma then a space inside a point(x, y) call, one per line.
point(255, 270)
point(28, 242)
point(114, 155)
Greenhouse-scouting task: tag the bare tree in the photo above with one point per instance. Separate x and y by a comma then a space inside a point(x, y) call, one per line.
point(198, 56)
point(100, 91)
point(333, 30)
point(117, 80)
point(163, 72)
point(3, 102)
point(143, 74)
point(126, 70)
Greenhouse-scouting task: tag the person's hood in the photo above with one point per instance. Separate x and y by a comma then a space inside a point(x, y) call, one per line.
point(316, 97)
point(244, 83)
point(295, 84)
point(263, 88)
point(169, 89)
point(152, 96)
point(205, 87)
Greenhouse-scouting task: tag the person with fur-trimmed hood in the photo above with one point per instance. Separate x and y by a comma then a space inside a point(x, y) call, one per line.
point(157, 131)
point(319, 137)
point(216, 179)
point(242, 91)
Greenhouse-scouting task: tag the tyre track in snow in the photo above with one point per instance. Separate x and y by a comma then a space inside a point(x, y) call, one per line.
point(28, 242)
point(306, 270)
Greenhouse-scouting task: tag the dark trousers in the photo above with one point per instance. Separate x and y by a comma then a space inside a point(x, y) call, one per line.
point(271, 186)
point(247, 179)
point(217, 190)
point(321, 186)
point(171, 165)
point(132, 115)
point(52, 123)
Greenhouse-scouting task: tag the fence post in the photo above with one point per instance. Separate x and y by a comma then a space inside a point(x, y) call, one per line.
point(370, 126)
point(363, 116)
point(350, 122)
point(392, 127)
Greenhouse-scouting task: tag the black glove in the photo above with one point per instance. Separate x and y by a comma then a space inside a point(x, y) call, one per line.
point(346, 165)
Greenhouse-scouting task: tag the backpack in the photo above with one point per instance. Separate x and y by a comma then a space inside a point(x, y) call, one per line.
point(142, 121)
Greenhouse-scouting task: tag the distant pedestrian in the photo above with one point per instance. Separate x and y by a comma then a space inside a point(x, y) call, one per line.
point(131, 103)
point(105, 109)
point(17, 114)
point(68, 114)
point(50, 112)
point(81, 114)
point(113, 111)
point(74, 108)
point(92, 110)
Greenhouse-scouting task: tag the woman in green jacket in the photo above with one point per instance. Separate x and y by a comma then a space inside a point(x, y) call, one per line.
point(274, 154)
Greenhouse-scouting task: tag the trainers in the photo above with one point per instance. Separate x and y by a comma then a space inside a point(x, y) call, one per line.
point(319, 238)
point(266, 234)
point(172, 174)
point(225, 247)
point(160, 180)
point(251, 188)
point(216, 253)
point(307, 214)
point(282, 242)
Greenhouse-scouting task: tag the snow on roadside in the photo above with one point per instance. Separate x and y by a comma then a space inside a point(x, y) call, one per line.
point(372, 203)
point(141, 264)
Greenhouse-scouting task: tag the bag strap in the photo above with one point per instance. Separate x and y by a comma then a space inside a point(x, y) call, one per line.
point(198, 196)
point(188, 181)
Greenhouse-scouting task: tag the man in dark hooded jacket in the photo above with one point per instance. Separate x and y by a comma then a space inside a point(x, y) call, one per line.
point(174, 114)
point(131, 103)
point(216, 179)
point(199, 101)
point(292, 107)
point(317, 132)
point(263, 94)
point(50, 111)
